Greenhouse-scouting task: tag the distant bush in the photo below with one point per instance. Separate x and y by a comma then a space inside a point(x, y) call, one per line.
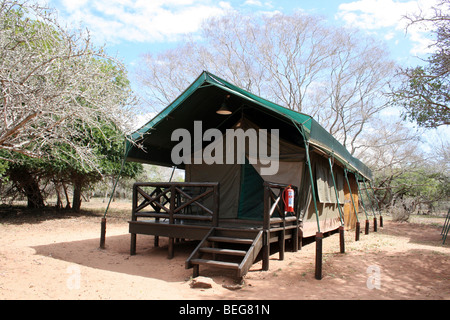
point(402, 209)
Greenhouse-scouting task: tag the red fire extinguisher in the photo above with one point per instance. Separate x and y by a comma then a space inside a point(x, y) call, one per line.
point(288, 199)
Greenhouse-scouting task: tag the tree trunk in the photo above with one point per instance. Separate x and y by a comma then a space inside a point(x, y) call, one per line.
point(34, 195)
point(76, 200)
point(28, 184)
point(58, 194)
point(67, 196)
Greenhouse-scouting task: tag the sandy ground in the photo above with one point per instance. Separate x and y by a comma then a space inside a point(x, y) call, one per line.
point(59, 258)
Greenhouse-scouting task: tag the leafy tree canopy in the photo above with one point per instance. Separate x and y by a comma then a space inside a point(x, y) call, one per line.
point(424, 91)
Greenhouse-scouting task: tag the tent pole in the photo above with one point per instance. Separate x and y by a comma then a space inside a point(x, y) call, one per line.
point(308, 160)
point(335, 190)
point(373, 210)
point(364, 207)
point(319, 235)
point(103, 222)
point(376, 202)
point(341, 227)
point(354, 207)
point(173, 171)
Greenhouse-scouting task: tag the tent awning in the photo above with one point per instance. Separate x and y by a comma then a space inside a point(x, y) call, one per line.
point(200, 102)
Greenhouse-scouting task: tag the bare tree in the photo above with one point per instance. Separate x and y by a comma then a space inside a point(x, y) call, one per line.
point(388, 159)
point(337, 75)
point(54, 85)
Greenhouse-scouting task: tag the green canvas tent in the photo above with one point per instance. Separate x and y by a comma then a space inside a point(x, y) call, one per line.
point(241, 189)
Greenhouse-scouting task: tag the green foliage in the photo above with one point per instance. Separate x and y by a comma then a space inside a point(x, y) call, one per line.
point(63, 166)
point(424, 184)
point(64, 103)
point(3, 167)
point(424, 91)
point(53, 77)
point(411, 188)
point(425, 98)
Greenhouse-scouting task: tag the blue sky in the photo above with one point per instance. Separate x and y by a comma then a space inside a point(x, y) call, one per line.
point(130, 28)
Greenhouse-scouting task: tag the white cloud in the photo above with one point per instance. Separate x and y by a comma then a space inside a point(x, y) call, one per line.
point(253, 3)
point(73, 4)
point(389, 15)
point(139, 20)
point(389, 35)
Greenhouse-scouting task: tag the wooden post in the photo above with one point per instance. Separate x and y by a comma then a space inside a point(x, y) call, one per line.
point(367, 227)
point(103, 233)
point(381, 221)
point(266, 228)
point(195, 271)
point(319, 237)
point(300, 238)
point(156, 239)
point(341, 239)
point(133, 244)
point(216, 195)
point(357, 231)
point(133, 218)
point(282, 241)
point(171, 249)
point(171, 219)
point(375, 229)
point(295, 237)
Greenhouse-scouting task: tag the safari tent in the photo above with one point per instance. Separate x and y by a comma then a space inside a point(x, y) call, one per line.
point(237, 201)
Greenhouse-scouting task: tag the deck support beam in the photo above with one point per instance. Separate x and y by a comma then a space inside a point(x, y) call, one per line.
point(103, 233)
point(341, 239)
point(282, 241)
point(318, 273)
point(170, 249)
point(357, 231)
point(133, 244)
point(266, 251)
point(295, 237)
point(300, 238)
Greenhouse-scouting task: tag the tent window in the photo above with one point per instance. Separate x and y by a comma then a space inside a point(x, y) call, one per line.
point(325, 186)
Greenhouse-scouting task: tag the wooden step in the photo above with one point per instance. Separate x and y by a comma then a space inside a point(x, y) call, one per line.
point(223, 251)
point(230, 240)
point(215, 263)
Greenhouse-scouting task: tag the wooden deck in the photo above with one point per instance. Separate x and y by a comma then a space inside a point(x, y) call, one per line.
point(173, 210)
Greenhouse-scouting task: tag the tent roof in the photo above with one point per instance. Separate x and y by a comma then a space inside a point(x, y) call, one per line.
point(200, 102)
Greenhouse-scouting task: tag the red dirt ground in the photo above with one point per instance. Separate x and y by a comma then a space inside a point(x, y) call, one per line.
point(59, 258)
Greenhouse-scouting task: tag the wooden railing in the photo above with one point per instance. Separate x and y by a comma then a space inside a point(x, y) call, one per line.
point(177, 202)
point(275, 219)
point(274, 208)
